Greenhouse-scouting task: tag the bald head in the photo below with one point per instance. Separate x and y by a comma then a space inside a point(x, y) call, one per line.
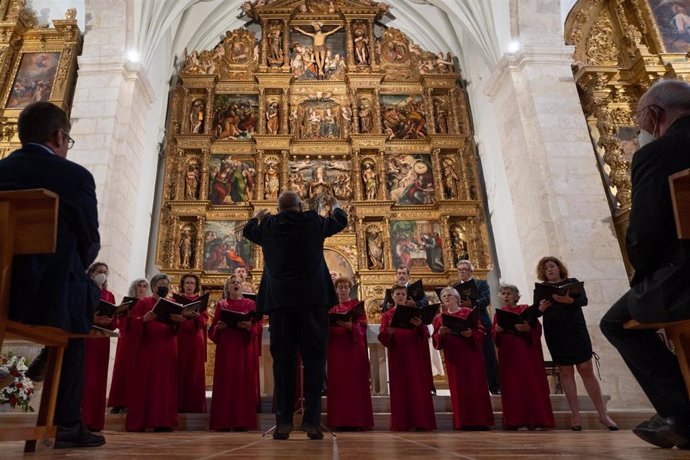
point(289, 201)
point(670, 95)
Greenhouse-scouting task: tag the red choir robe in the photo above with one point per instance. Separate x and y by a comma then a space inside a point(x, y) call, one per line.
point(524, 387)
point(191, 352)
point(152, 386)
point(412, 406)
point(469, 390)
point(349, 398)
point(124, 354)
point(233, 404)
point(96, 360)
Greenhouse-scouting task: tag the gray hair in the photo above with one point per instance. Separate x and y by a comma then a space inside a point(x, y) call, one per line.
point(157, 278)
point(510, 287)
point(133, 287)
point(452, 291)
point(465, 262)
point(671, 95)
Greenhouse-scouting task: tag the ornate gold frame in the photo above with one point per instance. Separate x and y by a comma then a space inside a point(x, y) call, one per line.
point(20, 35)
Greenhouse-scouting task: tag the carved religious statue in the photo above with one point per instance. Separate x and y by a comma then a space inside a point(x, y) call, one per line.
point(273, 118)
point(275, 44)
point(370, 180)
point(441, 115)
point(196, 116)
point(366, 117)
point(186, 247)
point(191, 186)
point(361, 43)
point(374, 248)
point(319, 45)
point(271, 181)
point(450, 178)
point(459, 243)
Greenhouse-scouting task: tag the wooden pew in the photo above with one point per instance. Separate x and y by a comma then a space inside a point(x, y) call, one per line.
point(678, 332)
point(28, 225)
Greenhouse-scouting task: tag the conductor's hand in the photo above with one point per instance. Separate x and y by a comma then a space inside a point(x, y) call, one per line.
point(416, 321)
point(246, 325)
point(346, 324)
point(220, 326)
point(150, 316)
point(102, 320)
point(467, 333)
point(523, 327)
point(260, 214)
point(332, 201)
point(443, 330)
point(177, 318)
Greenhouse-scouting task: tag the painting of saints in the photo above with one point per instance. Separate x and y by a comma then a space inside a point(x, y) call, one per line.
point(34, 80)
point(673, 20)
point(417, 245)
point(225, 248)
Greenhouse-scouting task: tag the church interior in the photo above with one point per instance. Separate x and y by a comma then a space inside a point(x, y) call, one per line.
point(495, 131)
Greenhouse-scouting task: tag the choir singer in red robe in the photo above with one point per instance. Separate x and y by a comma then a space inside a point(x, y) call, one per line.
point(124, 353)
point(412, 407)
point(524, 388)
point(349, 399)
point(191, 351)
point(152, 386)
point(97, 357)
point(234, 400)
point(469, 390)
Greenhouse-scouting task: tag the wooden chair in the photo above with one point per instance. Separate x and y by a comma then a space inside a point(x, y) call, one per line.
point(678, 332)
point(28, 225)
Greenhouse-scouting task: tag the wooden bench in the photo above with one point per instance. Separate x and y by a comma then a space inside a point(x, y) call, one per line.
point(678, 332)
point(28, 225)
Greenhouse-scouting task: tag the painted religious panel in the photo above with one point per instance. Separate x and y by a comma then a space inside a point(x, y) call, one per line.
point(317, 180)
point(403, 117)
point(673, 20)
point(410, 179)
point(235, 116)
point(34, 80)
point(317, 52)
point(417, 245)
point(231, 180)
point(319, 119)
point(225, 248)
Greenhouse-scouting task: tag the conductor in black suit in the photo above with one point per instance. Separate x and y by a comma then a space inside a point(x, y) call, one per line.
point(53, 289)
point(660, 290)
point(296, 292)
point(465, 273)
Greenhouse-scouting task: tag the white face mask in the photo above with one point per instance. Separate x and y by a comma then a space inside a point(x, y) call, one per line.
point(644, 138)
point(100, 279)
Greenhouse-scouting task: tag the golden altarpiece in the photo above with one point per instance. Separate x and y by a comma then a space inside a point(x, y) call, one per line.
point(621, 48)
point(37, 63)
point(327, 103)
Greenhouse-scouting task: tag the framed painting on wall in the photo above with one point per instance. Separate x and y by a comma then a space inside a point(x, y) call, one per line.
point(235, 117)
point(231, 180)
point(225, 248)
point(410, 179)
point(34, 79)
point(403, 117)
point(417, 244)
point(673, 21)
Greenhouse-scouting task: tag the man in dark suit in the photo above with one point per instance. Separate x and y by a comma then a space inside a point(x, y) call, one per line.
point(659, 259)
point(465, 273)
point(53, 289)
point(296, 292)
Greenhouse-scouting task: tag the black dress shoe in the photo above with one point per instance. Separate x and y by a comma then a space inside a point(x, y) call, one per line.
point(313, 432)
point(282, 432)
point(664, 432)
point(76, 436)
point(37, 368)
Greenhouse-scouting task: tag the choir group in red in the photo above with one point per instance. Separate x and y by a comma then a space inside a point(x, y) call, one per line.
point(159, 368)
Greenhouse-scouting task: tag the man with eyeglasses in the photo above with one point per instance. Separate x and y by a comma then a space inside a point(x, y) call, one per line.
point(660, 290)
point(465, 274)
point(53, 289)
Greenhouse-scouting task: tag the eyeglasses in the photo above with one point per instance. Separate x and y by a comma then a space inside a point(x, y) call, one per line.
point(70, 141)
point(637, 116)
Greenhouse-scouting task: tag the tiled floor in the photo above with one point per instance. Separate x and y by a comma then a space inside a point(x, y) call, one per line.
point(362, 446)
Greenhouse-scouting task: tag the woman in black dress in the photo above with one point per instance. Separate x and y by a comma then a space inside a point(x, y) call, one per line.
point(568, 341)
